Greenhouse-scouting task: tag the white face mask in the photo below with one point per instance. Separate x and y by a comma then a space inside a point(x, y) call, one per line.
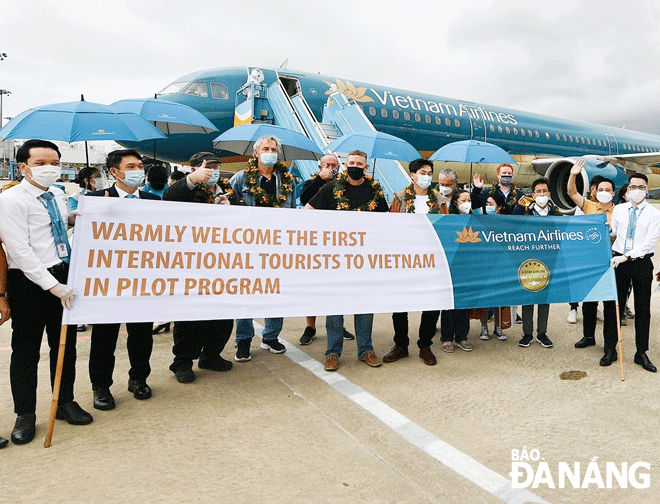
point(444, 190)
point(45, 175)
point(637, 195)
point(465, 207)
point(541, 201)
point(604, 197)
point(424, 181)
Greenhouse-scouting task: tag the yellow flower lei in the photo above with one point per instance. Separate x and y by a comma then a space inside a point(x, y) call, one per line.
point(409, 199)
point(261, 196)
point(339, 191)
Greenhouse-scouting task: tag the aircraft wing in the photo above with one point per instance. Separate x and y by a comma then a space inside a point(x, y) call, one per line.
point(644, 159)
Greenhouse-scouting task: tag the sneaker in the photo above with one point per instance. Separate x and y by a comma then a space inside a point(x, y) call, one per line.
point(629, 313)
point(544, 340)
point(624, 321)
point(331, 362)
point(243, 351)
point(348, 336)
point(308, 335)
point(499, 334)
point(526, 340)
point(484, 333)
point(273, 345)
point(599, 315)
point(186, 375)
point(370, 358)
point(518, 319)
point(572, 317)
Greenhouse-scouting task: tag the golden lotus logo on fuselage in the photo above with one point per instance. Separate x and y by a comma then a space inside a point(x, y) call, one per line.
point(533, 275)
point(350, 91)
point(467, 236)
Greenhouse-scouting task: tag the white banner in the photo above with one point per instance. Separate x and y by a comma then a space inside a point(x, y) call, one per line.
point(141, 260)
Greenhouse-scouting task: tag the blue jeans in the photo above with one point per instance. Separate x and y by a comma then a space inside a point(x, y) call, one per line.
point(245, 329)
point(334, 326)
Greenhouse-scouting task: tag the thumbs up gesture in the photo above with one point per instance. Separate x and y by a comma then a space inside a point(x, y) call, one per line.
point(201, 174)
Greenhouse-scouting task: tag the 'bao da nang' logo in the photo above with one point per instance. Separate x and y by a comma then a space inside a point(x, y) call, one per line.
point(593, 235)
point(468, 236)
point(533, 275)
point(350, 91)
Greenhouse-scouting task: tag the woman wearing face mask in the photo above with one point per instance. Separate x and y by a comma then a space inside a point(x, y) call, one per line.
point(454, 324)
point(89, 179)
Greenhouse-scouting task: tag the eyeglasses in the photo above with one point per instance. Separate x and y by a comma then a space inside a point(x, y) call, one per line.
point(635, 187)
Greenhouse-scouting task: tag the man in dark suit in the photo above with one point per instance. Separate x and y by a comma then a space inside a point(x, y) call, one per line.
point(201, 339)
point(126, 166)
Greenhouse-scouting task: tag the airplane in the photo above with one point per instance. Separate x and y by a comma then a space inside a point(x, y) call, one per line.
point(542, 145)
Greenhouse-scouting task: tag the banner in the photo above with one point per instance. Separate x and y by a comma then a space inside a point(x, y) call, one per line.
point(141, 260)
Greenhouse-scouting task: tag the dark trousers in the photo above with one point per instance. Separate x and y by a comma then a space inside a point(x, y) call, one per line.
point(426, 329)
point(541, 321)
point(589, 318)
point(139, 344)
point(454, 325)
point(640, 273)
point(33, 310)
point(203, 339)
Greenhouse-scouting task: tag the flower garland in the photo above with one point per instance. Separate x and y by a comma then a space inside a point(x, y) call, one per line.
point(261, 196)
point(208, 192)
point(409, 199)
point(342, 201)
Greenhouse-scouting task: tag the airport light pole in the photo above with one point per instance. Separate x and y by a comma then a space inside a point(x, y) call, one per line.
point(2, 92)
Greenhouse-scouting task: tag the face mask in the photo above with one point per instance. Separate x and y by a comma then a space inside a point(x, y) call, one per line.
point(541, 201)
point(214, 178)
point(355, 172)
point(506, 180)
point(465, 208)
point(444, 190)
point(604, 197)
point(45, 175)
point(637, 195)
point(133, 178)
point(268, 158)
point(99, 183)
point(491, 210)
point(424, 181)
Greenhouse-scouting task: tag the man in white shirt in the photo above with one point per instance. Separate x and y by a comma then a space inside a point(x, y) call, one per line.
point(636, 228)
point(32, 227)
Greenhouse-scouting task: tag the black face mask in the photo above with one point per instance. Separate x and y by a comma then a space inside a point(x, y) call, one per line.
point(355, 172)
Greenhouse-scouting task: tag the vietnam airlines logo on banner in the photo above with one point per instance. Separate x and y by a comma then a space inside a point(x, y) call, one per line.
point(467, 236)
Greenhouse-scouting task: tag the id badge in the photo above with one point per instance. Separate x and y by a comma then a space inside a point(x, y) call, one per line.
point(62, 252)
point(629, 244)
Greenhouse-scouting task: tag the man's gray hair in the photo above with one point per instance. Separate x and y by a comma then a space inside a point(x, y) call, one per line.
point(267, 138)
point(448, 172)
point(329, 154)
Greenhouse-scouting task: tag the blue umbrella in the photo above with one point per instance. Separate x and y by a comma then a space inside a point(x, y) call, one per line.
point(376, 145)
point(240, 139)
point(472, 151)
point(169, 117)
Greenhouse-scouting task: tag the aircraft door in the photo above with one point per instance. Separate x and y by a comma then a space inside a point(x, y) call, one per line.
point(477, 127)
point(612, 144)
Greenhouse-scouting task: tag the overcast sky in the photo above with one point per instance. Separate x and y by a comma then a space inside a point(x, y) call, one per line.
point(593, 61)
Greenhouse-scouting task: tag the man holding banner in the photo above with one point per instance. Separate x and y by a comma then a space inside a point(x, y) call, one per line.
point(351, 191)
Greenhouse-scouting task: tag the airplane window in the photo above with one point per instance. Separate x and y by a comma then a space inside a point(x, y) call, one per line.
point(492, 128)
point(588, 141)
point(565, 138)
point(570, 138)
point(198, 89)
point(557, 135)
point(515, 131)
point(457, 123)
point(522, 132)
point(536, 134)
point(582, 139)
point(175, 87)
point(406, 116)
point(395, 114)
point(418, 117)
point(547, 135)
point(219, 91)
point(499, 128)
point(427, 118)
point(372, 111)
point(438, 120)
point(447, 122)
point(508, 130)
point(529, 132)
point(599, 144)
point(383, 112)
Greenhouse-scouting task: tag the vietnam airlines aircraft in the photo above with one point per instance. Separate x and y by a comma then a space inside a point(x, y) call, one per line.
point(543, 145)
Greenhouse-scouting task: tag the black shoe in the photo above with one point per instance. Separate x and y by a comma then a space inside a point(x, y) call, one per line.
point(624, 321)
point(162, 327)
point(81, 328)
point(273, 345)
point(629, 313)
point(73, 414)
point(3, 442)
point(643, 360)
point(243, 351)
point(526, 340)
point(348, 336)
point(24, 429)
point(103, 399)
point(139, 389)
point(586, 342)
point(308, 335)
point(215, 364)
point(609, 357)
point(544, 340)
point(185, 375)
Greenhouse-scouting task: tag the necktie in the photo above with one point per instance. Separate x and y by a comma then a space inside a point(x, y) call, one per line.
point(57, 226)
point(130, 196)
point(630, 234)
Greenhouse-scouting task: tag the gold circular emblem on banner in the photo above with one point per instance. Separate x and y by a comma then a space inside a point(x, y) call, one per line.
point(533, 275)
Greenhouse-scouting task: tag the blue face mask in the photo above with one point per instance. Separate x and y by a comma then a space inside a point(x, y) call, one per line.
point(268, 158)
point(491, 210)
point(133, 178)
point(214, 177)
point(424, 181)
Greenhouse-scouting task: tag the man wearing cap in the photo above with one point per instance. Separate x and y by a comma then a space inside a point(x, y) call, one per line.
point(201, 339)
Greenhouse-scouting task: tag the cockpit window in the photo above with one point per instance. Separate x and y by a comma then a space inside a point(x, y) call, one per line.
point(175, 87)
point(219, 91)
point(198, 89)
